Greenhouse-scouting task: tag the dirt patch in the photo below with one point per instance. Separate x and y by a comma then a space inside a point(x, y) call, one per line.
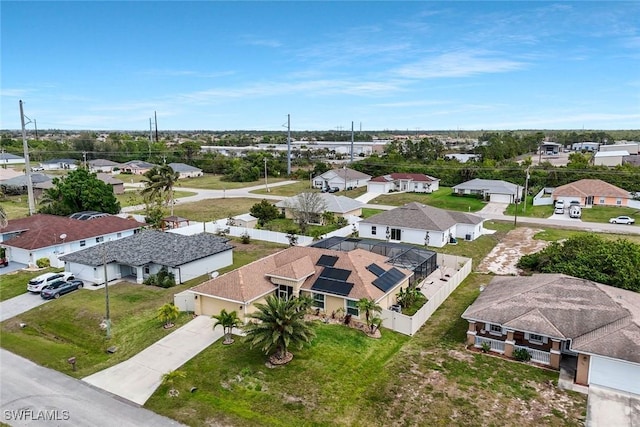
point(503, 258)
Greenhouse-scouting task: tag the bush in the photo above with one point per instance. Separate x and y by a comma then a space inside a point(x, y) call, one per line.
point(163, 279)
point(245, 238)
point(521, 354)
point(43, 263)
point(486, 347)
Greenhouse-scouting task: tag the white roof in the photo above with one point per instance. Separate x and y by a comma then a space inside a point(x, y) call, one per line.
point(619, 153)
point(245, 217)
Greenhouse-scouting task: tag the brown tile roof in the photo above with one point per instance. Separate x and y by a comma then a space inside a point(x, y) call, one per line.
point(40, 231)
point(418, 177)
point(590, 187)
point(599, 319)
point(250, 282)
point(295, 270)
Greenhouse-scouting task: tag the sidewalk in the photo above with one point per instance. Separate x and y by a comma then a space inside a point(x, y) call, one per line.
point(138, 378)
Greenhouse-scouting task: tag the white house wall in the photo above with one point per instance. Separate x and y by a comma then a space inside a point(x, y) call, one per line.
point(462, 230)
point(436, 238)
point(93, 274)
point(203, 266)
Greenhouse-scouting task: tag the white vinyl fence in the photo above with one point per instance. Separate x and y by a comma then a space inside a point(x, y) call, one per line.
point(409, 325)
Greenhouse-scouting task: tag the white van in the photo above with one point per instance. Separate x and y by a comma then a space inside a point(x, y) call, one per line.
point(559, 209)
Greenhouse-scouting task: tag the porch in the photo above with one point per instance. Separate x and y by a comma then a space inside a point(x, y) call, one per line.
point(506, 348)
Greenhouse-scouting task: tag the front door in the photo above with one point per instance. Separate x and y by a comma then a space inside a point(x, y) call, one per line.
point(589, 201)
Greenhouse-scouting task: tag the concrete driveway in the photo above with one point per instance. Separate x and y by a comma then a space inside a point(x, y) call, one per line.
point(12, 267)
point(30, 391)
point(138, 378)
point(609, 408)
point(18, 305)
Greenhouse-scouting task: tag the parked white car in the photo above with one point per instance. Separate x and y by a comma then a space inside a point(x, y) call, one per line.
point(622, 220)
point(38, 283)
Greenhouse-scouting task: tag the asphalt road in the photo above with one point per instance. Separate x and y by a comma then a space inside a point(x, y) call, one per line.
point(33, 395)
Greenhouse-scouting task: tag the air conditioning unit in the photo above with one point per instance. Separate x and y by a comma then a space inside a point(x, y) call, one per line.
point(467, 237)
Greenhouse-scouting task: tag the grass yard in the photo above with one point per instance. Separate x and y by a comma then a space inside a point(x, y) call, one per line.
point(15, 206)
point(530, 211)
point(14, 284)
point(133, 197)
point(288, 190)
point(604, 213)
point(555, 234)
point(215, 182)
point(213, 209)
point(367, 212)
point(69, 326)
point(345, 378)
point(443, 199)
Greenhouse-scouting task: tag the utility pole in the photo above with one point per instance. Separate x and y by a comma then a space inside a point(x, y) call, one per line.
point(265, 175)
point(106, 289)
point(526, 190)
point(27, 165)
point(150, 134)
point(288, 144)
point(352, 137)
point(155, 120)
point(344, 169)
point(84, 157)
point(515, 218)
point(35, 125)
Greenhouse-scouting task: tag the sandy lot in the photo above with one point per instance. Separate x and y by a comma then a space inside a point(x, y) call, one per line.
point(503, 258)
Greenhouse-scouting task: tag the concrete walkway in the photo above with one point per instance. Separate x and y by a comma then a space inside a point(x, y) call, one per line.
point(18, 305)
point(138, 378)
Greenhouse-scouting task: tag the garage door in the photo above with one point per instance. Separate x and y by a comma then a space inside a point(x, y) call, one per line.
point(500, 198)
point(376, 187)
point(615, 374)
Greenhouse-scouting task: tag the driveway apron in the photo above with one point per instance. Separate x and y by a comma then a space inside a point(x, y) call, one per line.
point(136, 379)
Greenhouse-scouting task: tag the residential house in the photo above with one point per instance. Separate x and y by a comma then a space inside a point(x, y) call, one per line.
point(186, 171)
point(490, 189)
point(412, 182)
point(592, 192)
point(59, 164)
point(344, 178)
point(103, 165)
point(116, 184)
point(18, 184)
point(146, 253)
point(422, 225)
point(609, 158)
point(137, 167)
point(47, 236)
point(341, 206)
point(334, 279)
point(592, 328)
point(8, 173)
point(10, 159)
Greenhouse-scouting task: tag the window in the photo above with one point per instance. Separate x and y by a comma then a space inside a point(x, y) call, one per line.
point(146, 269)
point(395, 234)
point(119, 235)
point(83, 243)
point(99, 239)
point(602, 200)
point(318, 301)
point(285, 291)
point(374, 230)
point(495, 330)
point(352, 308)
point(618, 202)
point(535, 338)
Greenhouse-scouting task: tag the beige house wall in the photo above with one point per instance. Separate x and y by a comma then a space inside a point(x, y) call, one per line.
point(332, 304)
point(609, 201)
point(582, 371)
point(392, 297)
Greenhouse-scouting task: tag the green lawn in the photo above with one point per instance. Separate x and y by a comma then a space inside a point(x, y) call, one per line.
point(288, 190)
point(604, 213)
point(443, 199)
point(15, 206)
point(69, 326)
point(530, 211)
point(345, 378)
point(367, 212)
point(215, 182)
point(213, 209)
point(14, 284)
point(133, 197)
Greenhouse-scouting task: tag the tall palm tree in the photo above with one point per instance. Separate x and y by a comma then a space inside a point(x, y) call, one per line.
point(168, 313)
point(160, 181)
point(279, 326)
point(228, 321)
point(369, 307)
point(4, 221)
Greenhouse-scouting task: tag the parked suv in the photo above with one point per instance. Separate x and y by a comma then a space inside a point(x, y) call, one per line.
point(38, 283)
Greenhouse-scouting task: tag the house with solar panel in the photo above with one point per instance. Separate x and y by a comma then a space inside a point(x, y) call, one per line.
point(334, 279)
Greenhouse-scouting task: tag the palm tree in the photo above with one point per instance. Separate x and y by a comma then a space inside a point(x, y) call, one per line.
point(159, 181)
point(4, 221)
point(279, 325)
point(228, 321)
point(369, 306)
point(170, 377)
point(167, 314)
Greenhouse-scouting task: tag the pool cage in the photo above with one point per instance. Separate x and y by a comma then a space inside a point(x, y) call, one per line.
point(422, 262)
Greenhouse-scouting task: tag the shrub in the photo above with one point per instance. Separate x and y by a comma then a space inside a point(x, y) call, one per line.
point(163, 279)
point(245, 238)
point(486, 347)
point(521, 354)
point(43, 263)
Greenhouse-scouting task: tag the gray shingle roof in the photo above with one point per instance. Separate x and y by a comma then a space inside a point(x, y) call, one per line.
point(422, 217)
point(9, 156)
point(600, 319)
point(183, 167)
point(167, 249)
point(490, 186)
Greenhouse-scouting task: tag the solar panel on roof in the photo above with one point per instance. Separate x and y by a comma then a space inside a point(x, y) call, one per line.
point(335, 273)
point(327, 261)
point(389, 279)
point(332, 286)
point(376, 269)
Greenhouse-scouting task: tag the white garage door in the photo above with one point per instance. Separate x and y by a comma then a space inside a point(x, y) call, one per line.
point(500, 198)
point(615, 374)
point(375, 187)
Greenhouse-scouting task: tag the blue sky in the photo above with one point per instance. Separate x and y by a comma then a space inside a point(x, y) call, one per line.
point(384, 65)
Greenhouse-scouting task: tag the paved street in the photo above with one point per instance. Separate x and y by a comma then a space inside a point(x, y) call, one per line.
point(30, 392)
point(137, 378)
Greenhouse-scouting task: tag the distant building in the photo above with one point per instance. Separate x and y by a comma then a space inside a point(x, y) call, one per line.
point(103, 165)
point(585, 146)
point(186, 171)
point(10, 159)
point(344, 178)
point(609, 158)
point(59, 164)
